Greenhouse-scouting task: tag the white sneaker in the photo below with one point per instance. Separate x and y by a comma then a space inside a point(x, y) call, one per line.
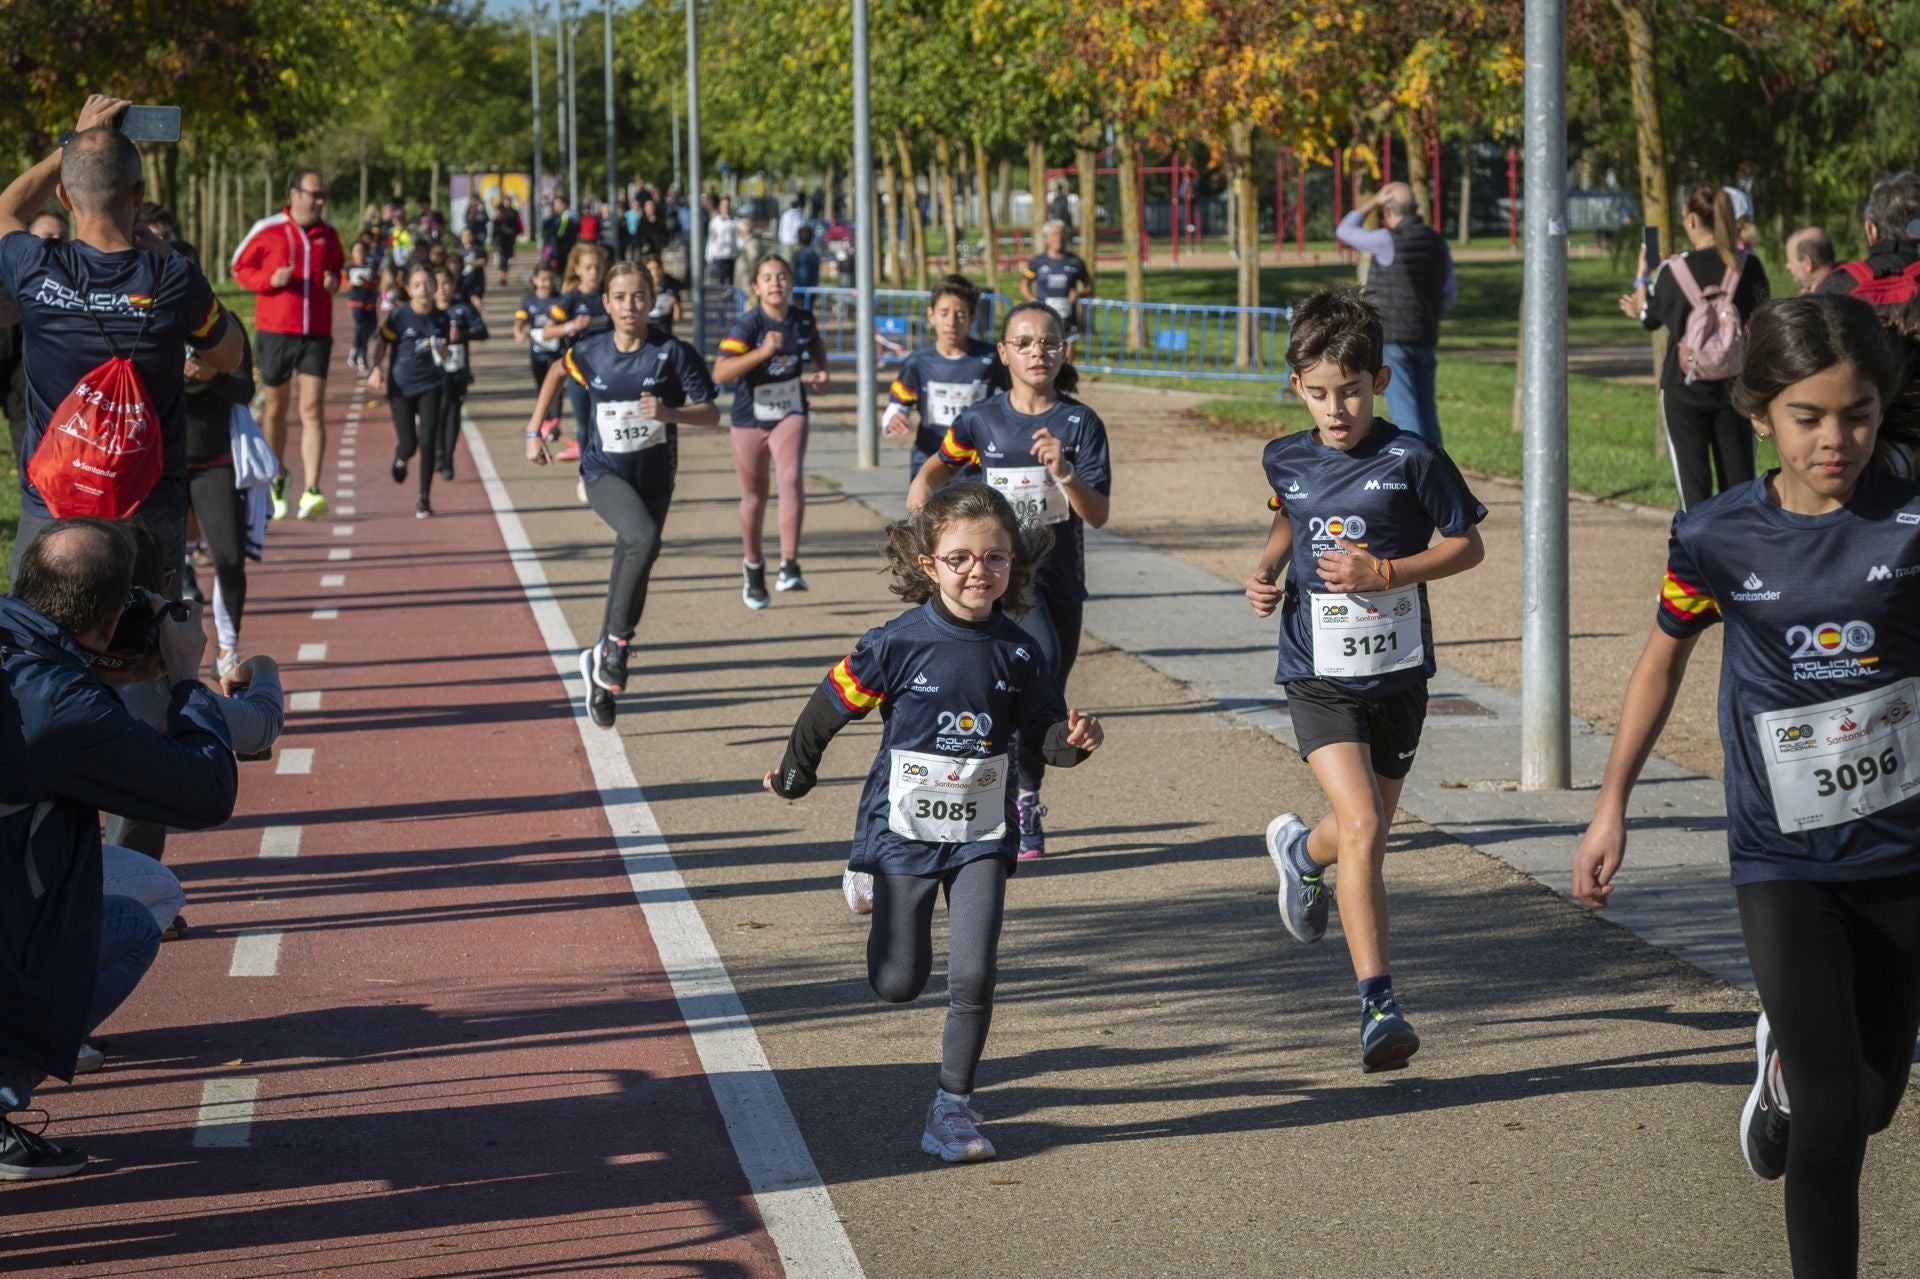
point(950, 1132)
point(226, 663)
point(857, 887)
point(89, 1060)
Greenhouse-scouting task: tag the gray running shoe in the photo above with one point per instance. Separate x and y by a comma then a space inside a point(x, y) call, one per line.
point(950, 1133)
point(1303, 898)
point(1386, 1040)
point(1764, 1122)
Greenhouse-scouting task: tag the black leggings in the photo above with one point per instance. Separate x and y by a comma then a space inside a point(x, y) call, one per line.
point(416, 428)
point(636, 522)
point(541, 363)
point(365, 323)
point(451, 401)
point(900, 953)
point(1054, 623)
point(222, 511)
point(1838, 970)
point(1706, 440)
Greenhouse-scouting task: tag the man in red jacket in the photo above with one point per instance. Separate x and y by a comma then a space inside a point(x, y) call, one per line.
point(292, 260)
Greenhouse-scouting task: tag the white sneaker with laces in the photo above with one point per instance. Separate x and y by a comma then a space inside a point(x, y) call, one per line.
point(950, 1132)
point(857, 887)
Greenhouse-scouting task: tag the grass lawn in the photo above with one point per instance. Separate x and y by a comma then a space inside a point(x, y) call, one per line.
point(237, 300)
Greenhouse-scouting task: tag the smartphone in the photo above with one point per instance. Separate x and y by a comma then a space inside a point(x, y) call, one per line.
point(150, 124)
point(1650, 241)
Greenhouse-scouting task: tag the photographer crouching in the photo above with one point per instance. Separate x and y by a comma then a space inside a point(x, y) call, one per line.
point(70, 953)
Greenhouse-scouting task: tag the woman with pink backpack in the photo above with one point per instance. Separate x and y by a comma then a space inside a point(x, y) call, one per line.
point(1703, 298)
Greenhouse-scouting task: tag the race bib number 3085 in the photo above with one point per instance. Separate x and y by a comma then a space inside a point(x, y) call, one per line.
point(938, 799)
point(1830, 763)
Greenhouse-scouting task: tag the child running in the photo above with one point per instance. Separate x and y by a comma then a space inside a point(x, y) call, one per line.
point(644, 385)
point(467, 325)
point(529, 319)
point(936, 812)
point(1359, 503)
point(578, 312)
point(761, 356)
point(1815, 569)
point(1046, 453)
point(417, 336)
point(363, 299)
point(947, 375)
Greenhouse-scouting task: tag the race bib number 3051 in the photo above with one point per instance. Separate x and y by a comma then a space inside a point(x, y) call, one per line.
point(1830, 763)
point(1362, 636)
point(938, 799)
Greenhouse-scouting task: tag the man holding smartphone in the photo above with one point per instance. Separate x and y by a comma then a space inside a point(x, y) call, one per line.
point(292, 260)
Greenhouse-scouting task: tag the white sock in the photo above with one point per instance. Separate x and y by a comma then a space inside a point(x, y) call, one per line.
point(964, 1098)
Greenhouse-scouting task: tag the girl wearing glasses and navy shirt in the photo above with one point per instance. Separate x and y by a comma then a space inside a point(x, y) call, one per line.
point(1046, 453)
point(954, 678)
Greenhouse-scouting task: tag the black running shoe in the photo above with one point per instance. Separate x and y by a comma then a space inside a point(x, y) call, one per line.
point(399, 471)
point(1764, 1122)
point(27, 1156)
point(446, 469)
point(611, 671)
point(190, 585)
point(754, 588)
point(790, 578)
point(600, 708)
point(422, 509)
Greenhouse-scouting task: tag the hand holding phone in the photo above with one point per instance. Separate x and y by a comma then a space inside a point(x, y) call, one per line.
point(150, 124)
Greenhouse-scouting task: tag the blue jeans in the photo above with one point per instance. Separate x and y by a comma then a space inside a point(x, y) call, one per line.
point(129, 943)
point(1410, 394)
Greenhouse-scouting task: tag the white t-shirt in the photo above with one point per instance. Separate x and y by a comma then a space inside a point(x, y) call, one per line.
point(723, 238)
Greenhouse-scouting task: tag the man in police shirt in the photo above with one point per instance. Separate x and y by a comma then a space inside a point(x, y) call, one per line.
point(108, 278)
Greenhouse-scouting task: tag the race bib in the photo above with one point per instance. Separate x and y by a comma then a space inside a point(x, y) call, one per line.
point(937, 799)
point(776, 400)
point(1062, 306)
point(1361, 636)
point(945, 400)
point(1830, 763)
point(456, 358)
point(625, 429)
point(1035, 497)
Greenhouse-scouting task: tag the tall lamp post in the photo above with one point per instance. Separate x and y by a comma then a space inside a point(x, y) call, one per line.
point(696, 211)
point(867, 433)
point(569, 10)
point(533, 44)
point(613, 179)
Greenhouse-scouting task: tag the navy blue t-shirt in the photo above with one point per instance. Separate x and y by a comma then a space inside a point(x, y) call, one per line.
point(951, 699)
point(999, 439)
point(772, 390)
point(621, 442)
point(1820, 676)
point(411, 336)
point(940, 386)
point(536, 311)
point(1390, 494)
point(575, 303)
point(1055, 279)
point(464, 316)
point(57, 285)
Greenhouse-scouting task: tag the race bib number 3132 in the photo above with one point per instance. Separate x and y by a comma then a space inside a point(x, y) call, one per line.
point(1830, 763)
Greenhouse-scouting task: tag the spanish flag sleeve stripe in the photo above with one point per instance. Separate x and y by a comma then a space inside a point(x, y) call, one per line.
point(855, 696)
point(522, 314)
point(952, 451)
point(558, 312)
point(206, 325)
point(902, 392)
point(1029, 273)
point(733, 346)
point(1686, 601)
point(388, 333)
point(1273, 503)
point(573, 370)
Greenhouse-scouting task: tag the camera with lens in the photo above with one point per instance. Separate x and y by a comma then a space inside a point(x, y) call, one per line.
point(138, 634)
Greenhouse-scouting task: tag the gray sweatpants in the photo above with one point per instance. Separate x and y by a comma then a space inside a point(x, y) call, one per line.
point(900, 953)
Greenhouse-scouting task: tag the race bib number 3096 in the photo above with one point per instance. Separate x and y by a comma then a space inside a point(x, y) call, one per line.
point(1830, 763)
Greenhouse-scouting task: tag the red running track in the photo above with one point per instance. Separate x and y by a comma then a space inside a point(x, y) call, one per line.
point(468, 1060)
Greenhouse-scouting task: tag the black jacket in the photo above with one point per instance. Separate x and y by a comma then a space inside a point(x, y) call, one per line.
point(69, 748)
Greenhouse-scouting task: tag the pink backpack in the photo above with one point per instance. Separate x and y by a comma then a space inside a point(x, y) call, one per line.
point(1713, 347)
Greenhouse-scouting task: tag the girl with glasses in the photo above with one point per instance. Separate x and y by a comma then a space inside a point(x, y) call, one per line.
point(1046, 453)
point(955, 678)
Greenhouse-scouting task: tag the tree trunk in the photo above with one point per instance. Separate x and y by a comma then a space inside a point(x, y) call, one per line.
point(1005, 211)
point(366, 193)
point(1246, 203)
point(1466, 192)
point(889, 216)
point(989, 232)
point(952, 224)
point(1655, 202)
point(910, 209)
point(1037, 185)
point(830, 189)
point(1129, 166)
point(213, 255)
point(266, 192)
point(1417, 176)
point(433, 189)
point(1086, 231)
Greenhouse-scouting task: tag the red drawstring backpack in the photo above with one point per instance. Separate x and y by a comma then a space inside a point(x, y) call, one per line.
point(101, 453)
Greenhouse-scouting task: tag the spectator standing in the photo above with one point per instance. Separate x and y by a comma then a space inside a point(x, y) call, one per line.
point(291, 261)
point(559, 232)
point(1411, 281)
point(81, 302)
point(806, 261)
point(1809, 258)
point(476, 217)
point(507, 230)
point(792, 218)
point(590, 227)
point(1706, 435)
point(1890, 273)
point(71, 953)
point(723, 243)
point(653, 236)
point(1060, 208)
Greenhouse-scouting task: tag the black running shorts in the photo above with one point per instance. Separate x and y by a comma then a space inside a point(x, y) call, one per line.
point(1324, 712)
point(279, 356)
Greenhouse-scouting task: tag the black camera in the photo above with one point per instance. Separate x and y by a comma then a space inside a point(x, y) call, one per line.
point(138, 634)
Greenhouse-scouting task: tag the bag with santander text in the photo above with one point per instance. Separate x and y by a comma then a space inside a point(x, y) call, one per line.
point(101, 453)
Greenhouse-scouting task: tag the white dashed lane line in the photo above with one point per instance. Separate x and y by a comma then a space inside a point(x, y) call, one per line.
point(343, 530)
point(339, 553)
point(312, 653)
point(346, 508)
point(256, 953)
point(304, 701)
point(225, 1120)
point(331, 580)
point(295, 761)
point(343, 492)
point(280, 841)
point(325, 614)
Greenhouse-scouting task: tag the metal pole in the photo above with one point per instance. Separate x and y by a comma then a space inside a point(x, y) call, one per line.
point(532, 220)
point(560, 103)
point(1545, 747)
point(573, 106)
point(868, 426)
point(696, 211)
point(613, 177)
point(678, 173)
